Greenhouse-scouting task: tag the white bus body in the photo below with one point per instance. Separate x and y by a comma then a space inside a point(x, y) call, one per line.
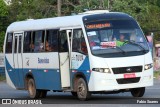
point(68, 54)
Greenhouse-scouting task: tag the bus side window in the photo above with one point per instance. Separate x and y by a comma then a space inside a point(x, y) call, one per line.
point(9, 43)
point(38, 40)
point(51, 42)
point(79, 44)
point(28, 46)
point(63, 42)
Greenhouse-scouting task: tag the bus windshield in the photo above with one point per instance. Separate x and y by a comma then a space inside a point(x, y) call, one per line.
point(115, 36)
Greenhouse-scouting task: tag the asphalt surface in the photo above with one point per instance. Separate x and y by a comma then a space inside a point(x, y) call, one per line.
point(66, 99)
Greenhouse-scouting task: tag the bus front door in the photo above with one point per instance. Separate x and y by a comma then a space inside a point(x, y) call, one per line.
point(17, 57)
point(64, 60)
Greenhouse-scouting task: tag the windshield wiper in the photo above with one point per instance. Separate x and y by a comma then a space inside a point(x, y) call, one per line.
point(134, 43)
point(124, 52)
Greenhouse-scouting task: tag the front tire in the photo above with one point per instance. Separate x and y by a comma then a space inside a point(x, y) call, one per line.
point(82, 90)
point(138, 92)
point(33, 92)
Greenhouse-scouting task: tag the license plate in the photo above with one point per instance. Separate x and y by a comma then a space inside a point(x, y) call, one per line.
point(132, 75)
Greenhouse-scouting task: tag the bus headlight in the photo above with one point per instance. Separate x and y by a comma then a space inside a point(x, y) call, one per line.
point(148, 66)
point(102, 70)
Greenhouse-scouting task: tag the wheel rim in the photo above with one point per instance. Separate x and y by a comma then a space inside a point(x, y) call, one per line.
point(81, 90)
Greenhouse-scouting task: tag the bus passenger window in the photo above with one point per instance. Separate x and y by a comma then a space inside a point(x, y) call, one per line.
point(79, 44)
point(83, 45)
point(63, 42)
point(51, 42)
point(15, 44)
point(38, 40)
point(27, 46)
point(9, 43)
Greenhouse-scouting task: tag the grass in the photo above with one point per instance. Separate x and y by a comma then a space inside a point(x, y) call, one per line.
point(157, 74)
point(2, 78)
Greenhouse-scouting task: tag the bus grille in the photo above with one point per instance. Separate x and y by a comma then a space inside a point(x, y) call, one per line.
point(128, 80)
point(123, 70)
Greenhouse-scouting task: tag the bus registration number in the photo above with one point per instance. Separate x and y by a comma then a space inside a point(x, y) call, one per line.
point(132, 75)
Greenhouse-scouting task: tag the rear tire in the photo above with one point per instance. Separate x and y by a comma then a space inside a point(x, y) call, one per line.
point(33, 92)
point(82, 90)
point(138, 92)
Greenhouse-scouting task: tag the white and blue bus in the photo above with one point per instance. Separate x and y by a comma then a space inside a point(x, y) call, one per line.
point(92, 52)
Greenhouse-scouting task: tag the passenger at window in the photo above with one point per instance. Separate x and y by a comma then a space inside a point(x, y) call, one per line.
point(47, 46)
point(84, 47)
point(41, 49)
point(32, 47)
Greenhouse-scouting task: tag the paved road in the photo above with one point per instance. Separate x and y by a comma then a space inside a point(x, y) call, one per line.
point(60, 98)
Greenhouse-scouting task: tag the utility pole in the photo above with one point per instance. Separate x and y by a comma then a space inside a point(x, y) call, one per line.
point(59, 3)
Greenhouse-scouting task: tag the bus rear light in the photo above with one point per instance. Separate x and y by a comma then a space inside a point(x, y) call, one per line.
point(74, 71)
point(45, 70)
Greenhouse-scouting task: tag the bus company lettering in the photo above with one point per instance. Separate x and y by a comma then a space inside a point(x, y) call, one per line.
point(44, 60)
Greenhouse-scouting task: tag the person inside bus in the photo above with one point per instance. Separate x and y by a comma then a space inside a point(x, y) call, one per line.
point(121, 41)
point(133, 37)
point(32, 47)
point(83, 46)
point(47, 47)
point(39, 47)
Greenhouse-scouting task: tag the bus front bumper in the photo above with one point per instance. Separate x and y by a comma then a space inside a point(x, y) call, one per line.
point(110, 82)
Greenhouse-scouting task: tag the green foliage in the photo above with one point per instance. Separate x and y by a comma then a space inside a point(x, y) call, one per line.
point(157, 74)
point(146, 12)
point(3, 9)
point(3, 22)
point(2, 78)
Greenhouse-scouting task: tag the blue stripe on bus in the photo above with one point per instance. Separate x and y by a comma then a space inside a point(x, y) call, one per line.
point(49, 80)
point(44, 80)
point(85, 66)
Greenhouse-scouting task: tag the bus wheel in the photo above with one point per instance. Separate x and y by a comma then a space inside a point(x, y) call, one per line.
point(33, 92)
point(74, 94)
point(43, 94)
point(138, 92)
point(82, 90)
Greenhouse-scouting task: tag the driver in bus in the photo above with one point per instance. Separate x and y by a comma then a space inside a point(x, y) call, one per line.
point(121, 41)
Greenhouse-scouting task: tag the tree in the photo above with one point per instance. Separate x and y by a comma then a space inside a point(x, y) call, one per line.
point(146, 12)
point(3, 22)
point(59, 7)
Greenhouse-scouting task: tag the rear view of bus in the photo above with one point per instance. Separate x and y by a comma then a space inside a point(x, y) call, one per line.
point(120, 58)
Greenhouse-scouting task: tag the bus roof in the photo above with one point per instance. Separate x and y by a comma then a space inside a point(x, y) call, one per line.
point(46, 23)
point(58, 22)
